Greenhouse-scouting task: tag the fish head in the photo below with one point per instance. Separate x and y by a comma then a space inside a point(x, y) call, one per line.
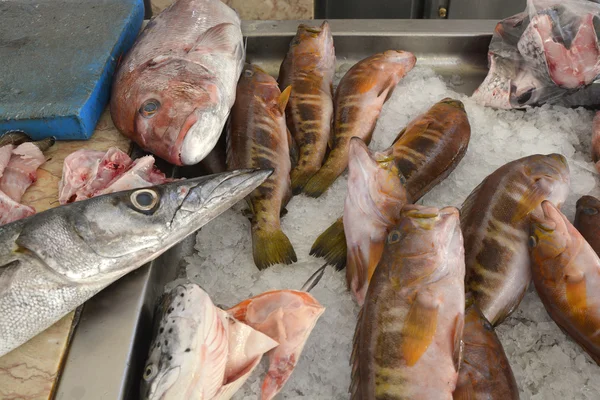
point(549, 236)
point(175, 110)
point(174, 356)
point(396, 60)
point(377, 177)
point(453, 103)
point(310, 42)
point(427, 232)
point(549, 174)
point(587, 214)
point(158, 217)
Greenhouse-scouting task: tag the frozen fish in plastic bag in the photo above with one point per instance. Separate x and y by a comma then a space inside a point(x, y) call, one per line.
point(543, 54)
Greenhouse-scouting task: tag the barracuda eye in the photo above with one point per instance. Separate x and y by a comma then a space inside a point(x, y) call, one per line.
point(532, 242)
point(149, 108)
point(394, 237)
point(589, 211)
point(144, 199)
point(150, 372)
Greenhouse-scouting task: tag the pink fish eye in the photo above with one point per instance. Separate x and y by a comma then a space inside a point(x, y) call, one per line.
point(149, 108)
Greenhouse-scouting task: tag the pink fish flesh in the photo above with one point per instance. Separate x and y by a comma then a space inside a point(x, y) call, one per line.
point(11, 210)
point(20, 172)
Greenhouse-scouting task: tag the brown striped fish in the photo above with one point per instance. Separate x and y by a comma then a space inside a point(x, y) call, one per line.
point(375, 198)
point(566, 274)
point(495, 226)
point(258, 138)
point(407, 343)
point(308, 68)
point(425, 153)
point(485, 373)
point(359, 98)
point(587, 220)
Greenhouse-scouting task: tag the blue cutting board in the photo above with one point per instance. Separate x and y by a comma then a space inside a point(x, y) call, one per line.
point(57, 60)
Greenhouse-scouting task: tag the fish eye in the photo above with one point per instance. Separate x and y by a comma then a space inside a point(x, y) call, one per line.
point(144, 199)
point(394, 237)
point(149, 108)
point(150, 372)
point(248, 73)
point(532, 241)
point(589, 211)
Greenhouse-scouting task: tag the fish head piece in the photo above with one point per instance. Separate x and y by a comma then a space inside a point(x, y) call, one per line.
point(174, 356)
point(549, 174)
point(397, 60)
point(375, 175)
point(122, 223)
point(309, 44)
point(177, 111)
point(587, 210)
point(428, 232)
point(550, 237)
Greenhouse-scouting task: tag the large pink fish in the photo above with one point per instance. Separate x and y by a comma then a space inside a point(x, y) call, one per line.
point(174, 90)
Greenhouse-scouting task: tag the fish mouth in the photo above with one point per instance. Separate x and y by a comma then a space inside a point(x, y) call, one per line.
point(547, 222)
point(199, 133)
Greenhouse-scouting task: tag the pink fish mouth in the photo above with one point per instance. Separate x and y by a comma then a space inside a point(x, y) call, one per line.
point(175, 153)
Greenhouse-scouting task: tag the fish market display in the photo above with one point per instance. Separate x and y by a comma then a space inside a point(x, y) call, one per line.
point(408, 333)
point(18, 171)
point(288, 317)
point(542, 54)
point(484, 373)
point(425, 153)
point(546, 363)
point(198, 350)
point(375, 198)
point(358, 100)
point(566, 274)
point(54, 261)
point(495, 227)
point(587, 220)
point(174, 90)
point(308, 67)
point(90, 173)
point(258, 138)
point(596, 140)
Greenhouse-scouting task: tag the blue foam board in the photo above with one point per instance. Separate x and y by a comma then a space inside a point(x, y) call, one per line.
point(57, 61)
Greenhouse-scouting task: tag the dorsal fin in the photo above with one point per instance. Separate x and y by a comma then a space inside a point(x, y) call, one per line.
point(218, 40)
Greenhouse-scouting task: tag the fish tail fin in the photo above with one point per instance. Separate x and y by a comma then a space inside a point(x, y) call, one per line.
point(271, 246)
point(331, 245)
point(276, 378)
point(300, 176)
point(324, 178)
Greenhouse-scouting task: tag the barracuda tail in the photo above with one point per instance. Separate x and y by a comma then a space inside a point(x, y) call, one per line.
point(331, 245)
point(270, 247)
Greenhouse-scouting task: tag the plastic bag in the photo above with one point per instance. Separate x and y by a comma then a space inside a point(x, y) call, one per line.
point(543, 54)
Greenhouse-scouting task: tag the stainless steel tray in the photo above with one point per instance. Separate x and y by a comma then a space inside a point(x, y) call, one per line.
point(110, 343)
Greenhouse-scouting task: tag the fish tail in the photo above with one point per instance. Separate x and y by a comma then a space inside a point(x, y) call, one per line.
point(300, 177)
point(271, 246)
point(331, 245)
point(324, 178)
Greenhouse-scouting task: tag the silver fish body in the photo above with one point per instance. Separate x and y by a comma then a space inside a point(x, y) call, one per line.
point(54, 261)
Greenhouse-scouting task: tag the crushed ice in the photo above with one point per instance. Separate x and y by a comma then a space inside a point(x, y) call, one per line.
point(547, 364)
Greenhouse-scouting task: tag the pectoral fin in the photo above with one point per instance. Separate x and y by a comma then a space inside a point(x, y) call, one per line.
point(575, 290)
point(419, 328)
point(284, 97)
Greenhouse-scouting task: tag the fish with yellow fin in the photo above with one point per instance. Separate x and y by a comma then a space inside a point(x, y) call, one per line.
point(407, 343)
point(494, 220)
point(425, 153)
point(376, 195)
point(358, 100)
point(258, 138)
point(566, 274)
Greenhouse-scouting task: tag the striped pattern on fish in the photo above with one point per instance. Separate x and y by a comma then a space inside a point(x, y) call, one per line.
point(358, 100)
point(495, 226)
point(407, 339)
point(309, 67)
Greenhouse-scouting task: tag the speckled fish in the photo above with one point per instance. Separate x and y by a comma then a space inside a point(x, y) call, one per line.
point(587, 220)
point(54, 261)
point(425, 153)
point(258, 138)
point(495, 227)
point(358, 100)
point(308, 67)
point(596, 140)
point(407, 342)
point(566, 274)
point(485, 373)
point(374, 200)
point(174, 90)
point(286, 316)
point(198, 351)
